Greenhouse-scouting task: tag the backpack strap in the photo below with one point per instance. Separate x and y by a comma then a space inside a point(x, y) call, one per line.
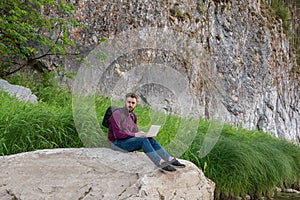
point(133, 117)
point(122, 118)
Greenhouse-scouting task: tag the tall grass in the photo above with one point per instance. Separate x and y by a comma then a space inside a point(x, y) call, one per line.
point(248, 162)
point(242, 162)
point(47, 124)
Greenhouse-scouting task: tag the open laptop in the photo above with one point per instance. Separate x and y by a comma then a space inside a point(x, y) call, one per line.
point(153, 131)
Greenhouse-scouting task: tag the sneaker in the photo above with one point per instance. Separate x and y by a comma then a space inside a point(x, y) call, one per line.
point(176, 163)
point(165, 166)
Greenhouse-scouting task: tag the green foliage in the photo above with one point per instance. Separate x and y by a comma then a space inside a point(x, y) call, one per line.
point(24, 29)
point(288, 12)
point(45, 86)
point(201, 7)
point(279, 9)
point(247, 162)
point(27, 127)
point(282, 12)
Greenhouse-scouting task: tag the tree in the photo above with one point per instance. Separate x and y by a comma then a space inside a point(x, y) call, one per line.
point(25, 32)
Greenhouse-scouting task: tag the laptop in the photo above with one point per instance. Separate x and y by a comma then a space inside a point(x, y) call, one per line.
point(153, 131)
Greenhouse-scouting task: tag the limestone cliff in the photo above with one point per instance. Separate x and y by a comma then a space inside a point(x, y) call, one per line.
point(244, 65)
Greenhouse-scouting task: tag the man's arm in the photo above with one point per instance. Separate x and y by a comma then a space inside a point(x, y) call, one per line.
point(140, 134)
point(119, 133)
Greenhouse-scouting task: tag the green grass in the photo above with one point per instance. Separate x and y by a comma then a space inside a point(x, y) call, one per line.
point(248, 162)
point(242, 161)
point(27, 127)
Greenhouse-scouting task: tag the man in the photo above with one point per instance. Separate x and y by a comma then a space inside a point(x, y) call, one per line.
point(123, 134)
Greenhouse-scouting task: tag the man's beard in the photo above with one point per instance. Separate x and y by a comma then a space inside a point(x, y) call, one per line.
point(130, 109)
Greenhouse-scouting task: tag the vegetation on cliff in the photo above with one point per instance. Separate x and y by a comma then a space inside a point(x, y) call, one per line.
point(288, 12)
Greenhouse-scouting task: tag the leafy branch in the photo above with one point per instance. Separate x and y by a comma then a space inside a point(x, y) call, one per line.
point(27, 34)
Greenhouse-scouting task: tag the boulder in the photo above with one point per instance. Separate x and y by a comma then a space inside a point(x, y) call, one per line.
point(22, 93)
point(97, 173)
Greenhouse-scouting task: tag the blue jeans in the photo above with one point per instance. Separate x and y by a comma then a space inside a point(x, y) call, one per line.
point(149, 145)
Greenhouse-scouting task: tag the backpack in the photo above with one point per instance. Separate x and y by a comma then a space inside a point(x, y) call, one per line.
point(109, 111)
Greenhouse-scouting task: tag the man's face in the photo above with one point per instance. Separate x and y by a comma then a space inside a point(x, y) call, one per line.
point(130, 103)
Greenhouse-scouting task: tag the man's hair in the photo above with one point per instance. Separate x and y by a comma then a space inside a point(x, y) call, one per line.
point(132, 95)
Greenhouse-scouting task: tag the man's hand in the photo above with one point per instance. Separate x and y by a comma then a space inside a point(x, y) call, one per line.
point(140, 134)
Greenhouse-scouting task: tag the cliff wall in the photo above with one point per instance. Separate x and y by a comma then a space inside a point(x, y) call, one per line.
point(232, 57)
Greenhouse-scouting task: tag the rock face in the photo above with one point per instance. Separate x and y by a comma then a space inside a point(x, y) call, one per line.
point(22, 93)
point(97, 173)
point(242, 75)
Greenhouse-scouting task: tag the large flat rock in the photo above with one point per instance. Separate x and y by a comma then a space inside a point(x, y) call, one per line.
point(97, 173)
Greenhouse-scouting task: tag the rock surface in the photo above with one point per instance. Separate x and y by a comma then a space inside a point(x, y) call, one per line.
point(245, 77)
point(97, 173)
point(22, 93)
